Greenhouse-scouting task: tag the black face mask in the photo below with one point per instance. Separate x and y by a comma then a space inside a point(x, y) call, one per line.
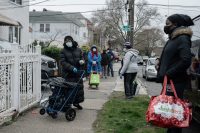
point(168, 29)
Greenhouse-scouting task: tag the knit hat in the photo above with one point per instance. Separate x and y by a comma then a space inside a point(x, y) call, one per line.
point(180, 20)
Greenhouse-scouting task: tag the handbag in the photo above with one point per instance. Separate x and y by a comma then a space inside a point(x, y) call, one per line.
point(94, 78)
point(168, 111)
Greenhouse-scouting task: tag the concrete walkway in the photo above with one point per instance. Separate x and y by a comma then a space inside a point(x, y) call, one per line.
point(33, 122)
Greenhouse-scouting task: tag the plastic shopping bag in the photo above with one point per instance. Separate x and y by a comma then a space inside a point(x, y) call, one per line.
point(94, 79)
point(168, 111)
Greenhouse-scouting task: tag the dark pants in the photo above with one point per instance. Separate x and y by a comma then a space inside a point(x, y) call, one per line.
point(179, 90)
point(110, 69)
point(128, 84)
point(104, 70)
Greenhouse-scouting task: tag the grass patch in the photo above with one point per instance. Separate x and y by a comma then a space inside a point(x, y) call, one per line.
point(124, 116)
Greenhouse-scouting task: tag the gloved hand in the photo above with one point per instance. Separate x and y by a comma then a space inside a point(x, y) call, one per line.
point(75, 70)
point(81, 62)
point(120, 76)
point(94, 62)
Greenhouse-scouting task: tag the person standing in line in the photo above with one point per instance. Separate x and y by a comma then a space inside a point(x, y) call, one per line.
point(129, 70)
point(72, 61)
point(110, 62)
point(176, 56)
point(104, 63)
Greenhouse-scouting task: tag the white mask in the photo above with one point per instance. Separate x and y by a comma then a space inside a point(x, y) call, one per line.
point(69, 44)
point(94, 49)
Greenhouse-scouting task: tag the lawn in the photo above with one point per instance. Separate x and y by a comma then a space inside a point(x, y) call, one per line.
point(124, 116)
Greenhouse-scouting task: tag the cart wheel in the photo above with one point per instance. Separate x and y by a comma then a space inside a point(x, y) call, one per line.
point(70, 114)
point(42, 111)
point(54, 115)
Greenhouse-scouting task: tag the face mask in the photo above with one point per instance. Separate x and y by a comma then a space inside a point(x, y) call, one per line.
point(94, 49)
point(124, 49)
point(168, 29)
point(69, 44)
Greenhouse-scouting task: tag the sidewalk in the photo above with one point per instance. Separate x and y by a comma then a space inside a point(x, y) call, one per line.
point(33, 122)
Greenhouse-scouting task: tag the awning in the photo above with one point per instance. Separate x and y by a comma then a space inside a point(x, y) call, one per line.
point(5, 21)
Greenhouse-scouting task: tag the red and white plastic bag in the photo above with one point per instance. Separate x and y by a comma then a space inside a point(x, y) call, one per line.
point(168, 111)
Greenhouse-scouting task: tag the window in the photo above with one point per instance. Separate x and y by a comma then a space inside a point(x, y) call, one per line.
point(41, 27)
point(10, 34)
point(47, 28)
point(44, 27)
point(84, 35)
point(17, 1)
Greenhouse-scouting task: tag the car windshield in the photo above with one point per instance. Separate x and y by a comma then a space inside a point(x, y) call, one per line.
point(152, 61)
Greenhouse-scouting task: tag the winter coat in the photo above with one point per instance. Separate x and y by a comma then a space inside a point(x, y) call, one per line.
point(105, 59)
point(176, 56)
point(130, 62)
point(97, 58)
point(70, 58)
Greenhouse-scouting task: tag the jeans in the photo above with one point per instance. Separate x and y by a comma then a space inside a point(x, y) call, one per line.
point(179, 90)
point(110, 68)
point(128, 84)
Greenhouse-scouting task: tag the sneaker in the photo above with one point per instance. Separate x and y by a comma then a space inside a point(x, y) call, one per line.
point(78, 106)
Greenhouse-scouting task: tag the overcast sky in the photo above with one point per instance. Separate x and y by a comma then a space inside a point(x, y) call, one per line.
point(164, 11)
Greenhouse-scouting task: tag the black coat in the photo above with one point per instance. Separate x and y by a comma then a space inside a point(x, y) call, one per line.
point(70, 58)
point(104, 59)
point(176, 56)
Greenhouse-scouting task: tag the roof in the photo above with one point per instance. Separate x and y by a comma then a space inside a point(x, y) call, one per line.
point(51, 16)
point(5, 21)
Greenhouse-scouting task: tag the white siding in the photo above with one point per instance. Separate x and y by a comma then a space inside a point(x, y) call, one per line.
point(18, 14)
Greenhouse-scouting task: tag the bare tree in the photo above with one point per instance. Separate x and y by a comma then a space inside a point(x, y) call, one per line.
point(111, 19)
point(149, 39)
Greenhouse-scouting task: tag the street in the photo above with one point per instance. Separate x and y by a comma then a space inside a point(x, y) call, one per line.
point(154, 89)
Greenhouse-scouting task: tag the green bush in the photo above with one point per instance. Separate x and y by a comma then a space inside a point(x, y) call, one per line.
point(53, 52)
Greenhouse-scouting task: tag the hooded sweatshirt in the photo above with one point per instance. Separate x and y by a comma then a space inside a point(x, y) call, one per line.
point(130, 62)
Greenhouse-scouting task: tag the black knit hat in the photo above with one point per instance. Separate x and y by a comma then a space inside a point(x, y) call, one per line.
point(68, 37)
point(180, 20)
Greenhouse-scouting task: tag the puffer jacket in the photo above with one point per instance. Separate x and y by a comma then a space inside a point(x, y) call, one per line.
point(176, 56)
point(130, 62)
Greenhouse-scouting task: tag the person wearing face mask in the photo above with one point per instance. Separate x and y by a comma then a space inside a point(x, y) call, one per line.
point(176, 55)
point(94, 60)
point(72, 61)
point(129, 70)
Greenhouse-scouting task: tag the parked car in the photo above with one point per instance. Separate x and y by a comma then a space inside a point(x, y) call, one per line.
point(145, 58)
point(193, 94)
point(49, 68)
point(139, 60)
point(149, 70)
point(117, 56)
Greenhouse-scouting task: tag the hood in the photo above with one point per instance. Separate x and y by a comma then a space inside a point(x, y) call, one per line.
point(135, 52)
point(94, 46)
point(181, 31)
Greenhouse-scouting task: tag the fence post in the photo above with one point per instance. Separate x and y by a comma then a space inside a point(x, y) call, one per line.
point(38, 82)
point(16, 78)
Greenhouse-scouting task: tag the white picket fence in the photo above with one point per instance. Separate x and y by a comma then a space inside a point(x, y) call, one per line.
point(20, 78)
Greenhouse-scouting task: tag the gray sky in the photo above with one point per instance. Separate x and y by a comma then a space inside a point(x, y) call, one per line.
point(164, 11)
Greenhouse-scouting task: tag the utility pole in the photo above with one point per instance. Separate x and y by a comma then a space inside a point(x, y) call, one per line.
point(131, 21)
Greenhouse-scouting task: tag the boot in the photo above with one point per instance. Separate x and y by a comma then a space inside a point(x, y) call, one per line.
point(78, 106)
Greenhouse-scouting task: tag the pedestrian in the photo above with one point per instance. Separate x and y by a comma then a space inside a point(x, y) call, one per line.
point(129, 70)
point(94, 60)
point(176, 55)
point(104, 63)
point(72, 61)
point(110, 62)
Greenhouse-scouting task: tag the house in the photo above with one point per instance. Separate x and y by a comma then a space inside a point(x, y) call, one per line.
point(52, 26)
point(87, 31)
point(14, 26)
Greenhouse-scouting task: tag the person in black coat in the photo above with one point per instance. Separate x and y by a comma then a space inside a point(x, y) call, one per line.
point(104, 63)
point(176, 55)
point(72, 61)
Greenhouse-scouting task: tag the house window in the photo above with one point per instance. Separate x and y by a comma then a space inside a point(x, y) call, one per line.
point(44, 27)
point(41, 27)
point(17, 1)
point(10, 34)
point(47, 28)
point(84, 35)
